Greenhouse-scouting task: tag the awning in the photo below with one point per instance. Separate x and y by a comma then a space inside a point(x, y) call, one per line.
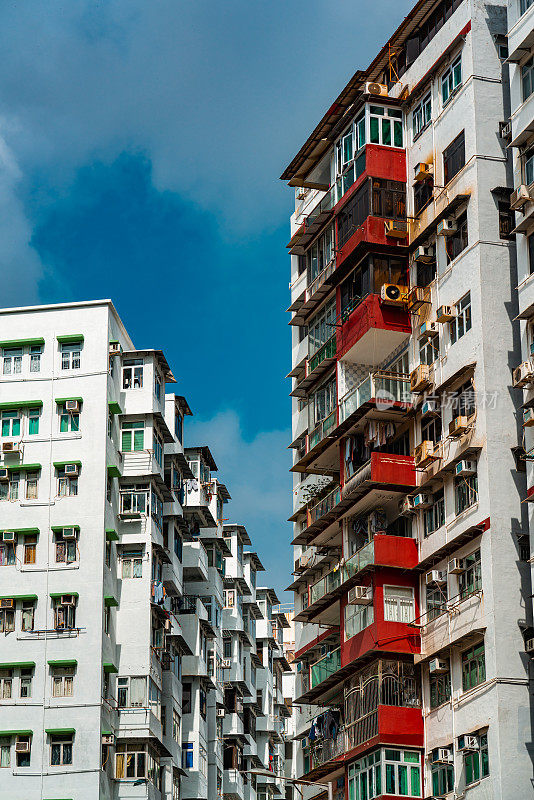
point(61, 400)
point(15, 404)
point(114, 407)
point(21, 342)
point(70, 338)
point(60, 464)
point(113, 471)
point(60, 731)
point(55, 595)
point(17, 664)
point(112, 535)
point(109, 667)
point(110, 601)
point(62, 662)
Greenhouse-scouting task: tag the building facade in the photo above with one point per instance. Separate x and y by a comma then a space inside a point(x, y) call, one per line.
point(130, 662)
point(412, 585)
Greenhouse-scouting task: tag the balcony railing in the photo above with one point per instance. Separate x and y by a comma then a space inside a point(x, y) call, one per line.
point(327, 749)
point(337, 577)
point(322, 429)
point(324, 506)
point(386, 387)
point(325, 667)
point(328, 350)
point(317, 282)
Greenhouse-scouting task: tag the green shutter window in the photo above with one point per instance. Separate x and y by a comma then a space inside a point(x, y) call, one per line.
point(403, 780)
point(33, 426)
point(390, 779)
point(378, 779)
point(139, 440)
point(64, 423)
point(132, 436)
point(374, 130)
point(397, 133)
point(386, 132)
point(126, 442)
point(75, 422)
point(415, 780)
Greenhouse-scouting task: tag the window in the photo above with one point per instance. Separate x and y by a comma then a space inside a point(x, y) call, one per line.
point(5, 752)
point(131, 692)
point(25, 687)
point(137, 760)
point(154, 699)
point(132, 373)
point(67, 484)
point(323, 403)
point(69, 421)
point(71, 356)
point(7, 620)
point(385, 772)
point(319, 255)
point(132, 564)
point(157, 444)
point(32, 486)
point(186, 698)
point(464, 401)
point(9, 490)
point(440, 689)
point(61, 750)
point(132, 436)
point(7, 554)
point(457, 241)
point(10, 424)
point(357, 618)
point(175, 725)
point(227, 648)
point(524, 5)
point(23, 759)
point(66, 549)
point(422, 115)
point(461, 323)
point(476, 762)
point(33, 421)
point(187, 755)
point(355, 288)
point(423, 192)
point(529, 170)
point(385, 126)
point(429, 349)
point(134, 500)
point(527, 78)
point(435, 515)
point(322, 328)
point(399, 604)
point(6, 684)
point(431, 430)
point(465, 492)
point(35, 358)
point(108, 554)
point(473, 667)
point(506, 220)
point(436, 600)
point(107, 619)
point(62, 681)
point(451, 80)
point(30, 548)
point(27, 614)
point(157, 385)
point(442, 777)
point(65, 615)
point(12, 360)
point(471, 578)
point(454, 157)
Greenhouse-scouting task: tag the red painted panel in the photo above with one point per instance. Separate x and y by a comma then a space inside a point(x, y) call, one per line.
point(391, 468)
point(399, 726)
point(373, 231)
point(396, 551)
point(371, 313)
point(380, 162)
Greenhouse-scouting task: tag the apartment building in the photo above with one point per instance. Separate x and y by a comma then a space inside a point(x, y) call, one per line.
point(129, 663)
point(412, 585)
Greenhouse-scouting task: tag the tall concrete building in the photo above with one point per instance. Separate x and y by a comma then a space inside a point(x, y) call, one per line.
point(130, 663)
point(413, 607)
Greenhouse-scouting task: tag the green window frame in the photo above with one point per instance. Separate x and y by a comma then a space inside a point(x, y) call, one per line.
point(476, 762)
point(471, 578)
point(34, 415)
point(132, 436)
point(473, 667)
point(440, 689)
point(11, 424)
point(442, 779)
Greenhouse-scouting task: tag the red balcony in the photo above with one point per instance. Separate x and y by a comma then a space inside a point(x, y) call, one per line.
point(372, 331)
point(384, 471)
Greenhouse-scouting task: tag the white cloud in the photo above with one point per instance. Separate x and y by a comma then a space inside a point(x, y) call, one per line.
point(256, 473)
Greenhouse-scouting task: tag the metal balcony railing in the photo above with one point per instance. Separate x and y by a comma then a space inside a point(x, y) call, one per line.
point(325, 750)
point(327, 350)
point(325, 505)
point(322, 429)
point(317, 282)
point(387, 387)
point(342, 572)
point(325, 667)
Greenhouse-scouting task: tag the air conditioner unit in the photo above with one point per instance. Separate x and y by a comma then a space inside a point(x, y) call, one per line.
point(8, 536)
point(71, 469)
point(220, 712)
point(67, 600)
point(406, 506)
point(396, 228)
point(465, 468)
point(505, 130)
point(72, 405)
point(520, 197)
point(446, 227)
point(360, 595)
point(7, 602)
point(420, 378)
point(443, 756)
point(455, 566)
point(435, 576)
point(393, 295)
point(429, 408)
point(458, 426)
point(468, 743)
point(523, 375)
point(437, 666)
point(377, 89)
point(415, 298)
point(226, 663)
point(108, 738)
point(115, 349)
point(529, 646)
point(69, 533)
point(424, 454)
point(422, 500)
point(4, 474)
point(445, 314)
point(22, 747)
point(428, 329)
point(10, 447)
point(528, 417)
point(424, 255)
point(423, 171)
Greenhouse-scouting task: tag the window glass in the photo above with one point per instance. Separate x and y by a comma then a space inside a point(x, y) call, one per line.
point(357, 617)
point(451, 80)
point(454, 157)
point(461, 323)
point(470, 580)
point(33, 421)
point(465, 491)
point(473, 667)
point(527, 78)
point(71, 356)
point(35, 358)
point(11, 424)
point(12, 361)
point(132, 436)
point(132, 373)
point(399, 604)
point(422, 115)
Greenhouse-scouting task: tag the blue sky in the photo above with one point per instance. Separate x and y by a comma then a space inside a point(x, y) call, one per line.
point(140, 149)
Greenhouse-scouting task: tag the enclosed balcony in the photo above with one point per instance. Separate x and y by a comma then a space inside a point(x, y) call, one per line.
point(371, 330)
point(316, 366)
point(312, 223)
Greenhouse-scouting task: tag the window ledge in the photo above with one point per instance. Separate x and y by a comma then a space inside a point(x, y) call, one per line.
point(51, 568)
point(420, 133)
point(459, 517)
